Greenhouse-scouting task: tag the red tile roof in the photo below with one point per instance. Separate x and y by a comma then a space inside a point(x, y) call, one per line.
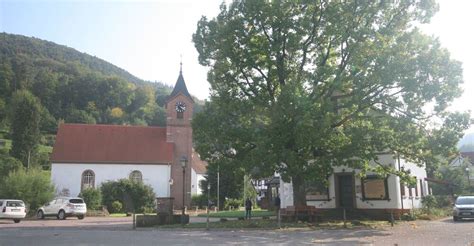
point(469, 155)
point(199, 166)
point(111, 144)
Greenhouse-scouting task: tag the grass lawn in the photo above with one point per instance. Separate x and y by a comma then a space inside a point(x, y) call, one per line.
point(272, 224)
point(237, 214)
point(118, 215)
point(125, 215)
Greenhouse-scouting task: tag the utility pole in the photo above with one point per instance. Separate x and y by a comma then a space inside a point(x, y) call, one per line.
point(468, 180)
point(29, 154)
point(208, 204)
point(218, 184)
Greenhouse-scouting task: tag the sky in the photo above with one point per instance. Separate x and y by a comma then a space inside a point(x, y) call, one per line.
point(148, 38)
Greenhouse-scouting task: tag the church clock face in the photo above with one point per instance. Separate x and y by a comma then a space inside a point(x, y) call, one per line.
point(180, 106)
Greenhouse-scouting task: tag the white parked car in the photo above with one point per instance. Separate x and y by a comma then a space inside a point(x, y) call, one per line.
point(463, 208)
point(12, 209)
point(63, 207)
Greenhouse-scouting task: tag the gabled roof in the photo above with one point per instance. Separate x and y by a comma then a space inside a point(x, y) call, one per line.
point(199, 166)
point(180, 87)
point(82, 143)
point(469, 156)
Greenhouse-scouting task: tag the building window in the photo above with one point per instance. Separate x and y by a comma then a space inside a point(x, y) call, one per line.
point(317, 191)
point(374, 188)
point(421, 188)
point(179, 115)
point(136, 176)
point(416, 188)
point(88, 179)
point(402, 189)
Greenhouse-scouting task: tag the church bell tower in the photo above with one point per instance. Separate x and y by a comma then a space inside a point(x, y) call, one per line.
point(179, 111)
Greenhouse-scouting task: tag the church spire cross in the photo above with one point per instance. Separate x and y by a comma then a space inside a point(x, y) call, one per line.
point(181, 64)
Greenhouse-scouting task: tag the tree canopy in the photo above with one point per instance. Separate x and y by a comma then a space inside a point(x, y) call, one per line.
point(299, 87)
point(25, 115)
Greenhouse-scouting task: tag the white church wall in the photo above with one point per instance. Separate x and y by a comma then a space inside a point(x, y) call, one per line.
point(194, 187)
point(200, 177)
point(68, 175)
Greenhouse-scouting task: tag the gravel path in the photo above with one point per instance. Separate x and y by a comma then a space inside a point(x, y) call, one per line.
point(117, 231)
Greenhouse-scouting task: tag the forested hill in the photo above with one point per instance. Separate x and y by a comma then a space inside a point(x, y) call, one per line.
point(42, 52)
point(73, 87)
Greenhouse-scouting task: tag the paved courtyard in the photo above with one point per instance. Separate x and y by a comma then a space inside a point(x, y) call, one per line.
point(118, 231)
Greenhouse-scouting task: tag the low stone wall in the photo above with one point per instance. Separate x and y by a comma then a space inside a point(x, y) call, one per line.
point(97, 213)
point(291, 214)
point(149, 220)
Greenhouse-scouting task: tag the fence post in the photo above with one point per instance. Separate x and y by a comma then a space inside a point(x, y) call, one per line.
point(134, 221)
point(391, 217)
point(344, 217)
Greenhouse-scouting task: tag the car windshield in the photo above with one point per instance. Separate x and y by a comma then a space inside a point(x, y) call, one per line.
point(15, 204)
point(76, 201)
point(465, 200)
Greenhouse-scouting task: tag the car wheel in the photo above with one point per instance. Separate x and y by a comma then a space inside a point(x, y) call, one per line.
point(455, 218)
point(81, 217)
point(16, 220)
point(61, 215)
point(40, 215)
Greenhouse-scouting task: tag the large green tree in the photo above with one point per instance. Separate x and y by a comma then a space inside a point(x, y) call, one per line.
point(231, 180)
point(298, 87)
point(25, 125)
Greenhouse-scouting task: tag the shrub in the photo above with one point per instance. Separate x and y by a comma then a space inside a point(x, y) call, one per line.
point(92, 197)
point(232, 203)
point(116, 207)
point(134, 196)
point(408, 217)
point(429, 203)
point(8, 164)
point(34, 187)
point(444, 201)
point(199, 200)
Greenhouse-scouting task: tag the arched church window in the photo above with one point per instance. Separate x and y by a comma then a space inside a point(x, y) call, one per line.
point(88, 179)
point(136, 176)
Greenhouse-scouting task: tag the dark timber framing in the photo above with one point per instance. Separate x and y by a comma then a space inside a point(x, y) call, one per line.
point(337, 188)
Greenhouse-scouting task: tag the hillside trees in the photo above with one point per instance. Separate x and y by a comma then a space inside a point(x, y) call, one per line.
point(75, 87)
point(25, 119)
point(300, 87)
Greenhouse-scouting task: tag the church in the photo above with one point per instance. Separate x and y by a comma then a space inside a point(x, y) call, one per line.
point(84, 155)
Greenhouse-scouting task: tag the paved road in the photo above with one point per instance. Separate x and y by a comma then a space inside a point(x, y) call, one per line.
point(117, 231)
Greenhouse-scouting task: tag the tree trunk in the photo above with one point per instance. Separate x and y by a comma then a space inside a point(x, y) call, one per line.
point(299, 191)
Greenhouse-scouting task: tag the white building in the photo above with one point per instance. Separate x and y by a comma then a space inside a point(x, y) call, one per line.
point(371, 193)
point(199, 172)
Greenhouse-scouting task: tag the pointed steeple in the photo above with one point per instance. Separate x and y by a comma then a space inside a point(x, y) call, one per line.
point(180, 86)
